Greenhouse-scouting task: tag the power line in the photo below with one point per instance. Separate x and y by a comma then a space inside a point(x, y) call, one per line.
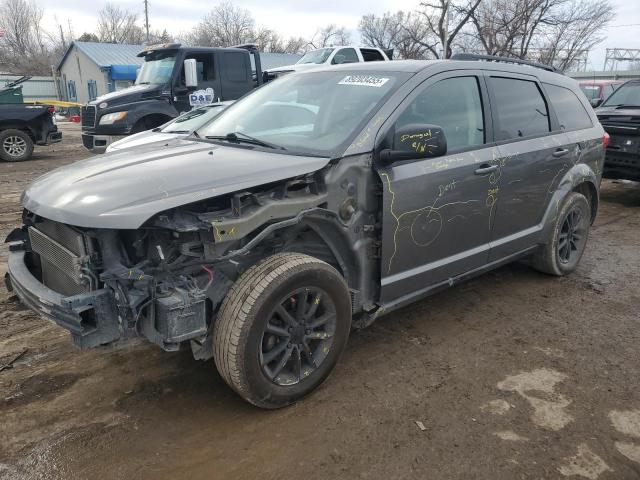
point(627, 25)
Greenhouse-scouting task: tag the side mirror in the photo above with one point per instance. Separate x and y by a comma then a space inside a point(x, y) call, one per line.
point(190, 73)
point(416, 141)
point(595, 102)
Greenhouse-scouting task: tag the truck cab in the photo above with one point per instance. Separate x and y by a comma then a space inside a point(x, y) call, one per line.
point(165, 88)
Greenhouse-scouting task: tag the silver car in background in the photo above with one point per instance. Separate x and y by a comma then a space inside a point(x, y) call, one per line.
point(181, 126)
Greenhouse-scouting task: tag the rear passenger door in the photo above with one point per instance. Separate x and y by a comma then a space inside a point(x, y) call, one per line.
point(436, 223)
point(532, 159)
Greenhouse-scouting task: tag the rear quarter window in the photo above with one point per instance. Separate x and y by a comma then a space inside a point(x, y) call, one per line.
point(570, 112)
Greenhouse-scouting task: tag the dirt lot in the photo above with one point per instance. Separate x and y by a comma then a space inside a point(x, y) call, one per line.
point(513, 375)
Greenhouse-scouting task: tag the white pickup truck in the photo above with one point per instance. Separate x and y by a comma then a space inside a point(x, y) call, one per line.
point(332, 56)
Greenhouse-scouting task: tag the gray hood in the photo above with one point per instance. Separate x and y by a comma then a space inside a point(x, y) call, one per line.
point(144, 138)
point(124, 189)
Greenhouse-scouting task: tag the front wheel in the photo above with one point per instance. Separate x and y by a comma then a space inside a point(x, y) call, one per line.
point(563, 250)
point(281, 329)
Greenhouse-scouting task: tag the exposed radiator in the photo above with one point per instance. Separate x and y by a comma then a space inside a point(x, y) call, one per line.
point(62, 255)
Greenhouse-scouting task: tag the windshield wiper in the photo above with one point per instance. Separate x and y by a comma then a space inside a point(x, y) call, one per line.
point(624, 105)
point(239, 137)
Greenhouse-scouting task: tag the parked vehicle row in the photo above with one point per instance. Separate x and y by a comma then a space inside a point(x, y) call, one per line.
point(164, 88)
point(316, 203)
point(620, 117)
point(597, 91)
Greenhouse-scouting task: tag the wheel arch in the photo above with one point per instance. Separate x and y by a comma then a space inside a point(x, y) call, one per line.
point(589, 190)
point(579, 178)
point(17, 125)
point(147, 122)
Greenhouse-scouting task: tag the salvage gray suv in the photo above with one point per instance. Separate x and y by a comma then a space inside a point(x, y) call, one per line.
point(313, 205)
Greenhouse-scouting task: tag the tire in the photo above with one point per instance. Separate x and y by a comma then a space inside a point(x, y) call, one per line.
point(15, 145)
point(265, 299)
point(560, 255)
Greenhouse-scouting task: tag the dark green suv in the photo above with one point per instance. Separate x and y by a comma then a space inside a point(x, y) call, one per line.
point(315, 204)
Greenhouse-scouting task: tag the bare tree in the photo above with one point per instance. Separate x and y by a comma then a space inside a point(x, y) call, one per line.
point(118, 25)
point(444, 19)
point(578, 27)
point(382, 32)
point(330, 35)
point(296, 45)
point(556, 32)
point(405, 33)
point(26, 48)
point(88, 37)
point(223, 26)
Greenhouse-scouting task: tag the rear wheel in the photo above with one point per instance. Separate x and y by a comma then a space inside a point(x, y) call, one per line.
point(15, 145)
point(564, 249)
point(281, 329)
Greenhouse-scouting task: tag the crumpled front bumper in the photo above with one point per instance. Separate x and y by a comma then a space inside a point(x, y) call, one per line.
point(91, 318)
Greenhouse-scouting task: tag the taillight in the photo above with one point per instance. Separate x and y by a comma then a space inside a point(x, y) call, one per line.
point(51, 110)
point(606, 139)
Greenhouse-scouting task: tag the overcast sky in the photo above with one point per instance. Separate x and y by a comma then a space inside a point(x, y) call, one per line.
point(304, 17)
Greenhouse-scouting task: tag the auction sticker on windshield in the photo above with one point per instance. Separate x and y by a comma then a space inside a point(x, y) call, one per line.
point(363, 80)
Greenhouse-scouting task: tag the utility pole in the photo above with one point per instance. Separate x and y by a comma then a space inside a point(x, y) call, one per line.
point(146, 18)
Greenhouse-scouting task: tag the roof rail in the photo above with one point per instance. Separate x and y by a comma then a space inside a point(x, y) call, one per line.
point(494, 58)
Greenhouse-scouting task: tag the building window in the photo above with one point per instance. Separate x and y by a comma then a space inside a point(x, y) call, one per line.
point(92, 89)
point(71, 87)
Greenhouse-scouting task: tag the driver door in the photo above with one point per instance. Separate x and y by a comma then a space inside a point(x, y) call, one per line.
point(438, 212)
point(206, 79)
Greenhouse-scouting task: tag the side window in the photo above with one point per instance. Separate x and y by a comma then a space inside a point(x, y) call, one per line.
point(235, 66)
point(571, 114)
point(521, 108)
point(453, 104)
point(204, 67)
point(345, 55)
point(371, 55)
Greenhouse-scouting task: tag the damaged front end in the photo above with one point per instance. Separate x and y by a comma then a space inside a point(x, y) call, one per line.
point(165, 280)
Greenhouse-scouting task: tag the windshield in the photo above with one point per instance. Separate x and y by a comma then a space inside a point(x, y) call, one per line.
point(156, 69)
point(628, 94)
point(192, 120)
point(316, 56)
point(312, 113)
point(591, 91)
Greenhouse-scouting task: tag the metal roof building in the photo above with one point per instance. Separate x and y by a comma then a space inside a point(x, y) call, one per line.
point(88, 70)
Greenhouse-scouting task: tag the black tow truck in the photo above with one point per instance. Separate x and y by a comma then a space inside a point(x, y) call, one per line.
point(170, 78)
point(23, 125)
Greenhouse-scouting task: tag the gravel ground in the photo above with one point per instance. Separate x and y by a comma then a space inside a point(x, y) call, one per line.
point(514, 375)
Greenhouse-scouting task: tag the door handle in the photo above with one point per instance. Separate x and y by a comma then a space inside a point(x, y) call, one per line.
point(486, 168)
point(560, 152)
